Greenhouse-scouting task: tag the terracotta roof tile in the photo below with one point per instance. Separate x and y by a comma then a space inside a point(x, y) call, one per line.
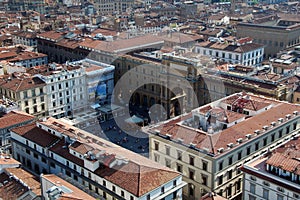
point(36, 135)
point(29, 179)
point(13, 118)
point(76, 193)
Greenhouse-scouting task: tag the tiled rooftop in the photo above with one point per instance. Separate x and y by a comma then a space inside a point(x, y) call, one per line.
point(230, 47)
point(266, 111)
point(21, 83)
point(285, 157)
point(7, 160)
point(14, 117)
point(131, 172)
point(75, 193)
point(33, 133)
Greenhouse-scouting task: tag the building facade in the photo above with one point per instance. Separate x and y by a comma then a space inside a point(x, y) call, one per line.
point(278, 37)
point(28, 92)
point(107, 7)
point(99, 81)
point(65, 88)
point(11, 120)
point(274, 176)
point(25, 38)
point(242, 51)
point(210, 144)
point(51, 146)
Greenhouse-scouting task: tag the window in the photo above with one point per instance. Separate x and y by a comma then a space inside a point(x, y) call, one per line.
point(230, 174)
point(168, 163)
point(44, 160)
point(204, 165)
point(252, 188)
point(204, 179)
point(191, 189)
point(179, 155)
point(156, 158)
point(256, 146)
point(248, 150)
point(179, 167)
point(191, 174)
point(148, 197)
point(26, 103)
point(287, 130)
point(265, 194)
point(220, 180)
point(280, 133)
point(113, 188)
point(68, 173)
point(230, 160)
point(156, 146)
point(167, 150)
point(192, 158)
point(240, 155)
point(251, 197)
point(122, 193)
point(265, 141)
point(220, 165)
point(174, 183)
point(162, 189)
point(273, 137)
point(279, 197)
point(104, 183)
point(27, 151)
point(131, 198)
point(294, 126)
point(229, 188)
point(35, 155)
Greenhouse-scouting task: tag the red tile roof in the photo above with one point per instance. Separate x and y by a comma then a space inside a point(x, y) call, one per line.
point(137, 179)
point(76, 193)
point(64, 152)
point(36, 135)
point(15, 118)
point(21, 84)
point(212, 142)
point(30, 180)
point(12, 189)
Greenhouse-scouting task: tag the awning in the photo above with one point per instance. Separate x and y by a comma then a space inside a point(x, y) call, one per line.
point(134, 119)
point(95, 106)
